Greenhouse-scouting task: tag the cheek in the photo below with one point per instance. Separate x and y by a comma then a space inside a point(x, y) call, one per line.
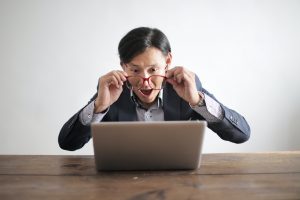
point(136, 91)
point(155, 92)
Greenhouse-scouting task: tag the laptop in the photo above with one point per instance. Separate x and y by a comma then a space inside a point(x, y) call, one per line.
point(160, 145)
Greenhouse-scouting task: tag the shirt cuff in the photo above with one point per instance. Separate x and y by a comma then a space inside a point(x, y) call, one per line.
point(87, 115)
point(212, 111)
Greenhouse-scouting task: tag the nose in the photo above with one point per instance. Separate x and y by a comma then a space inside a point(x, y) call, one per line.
point(146, 83)
point(145, 76)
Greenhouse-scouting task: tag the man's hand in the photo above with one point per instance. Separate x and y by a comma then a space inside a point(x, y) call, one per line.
point(183, 82)
point(110, 87)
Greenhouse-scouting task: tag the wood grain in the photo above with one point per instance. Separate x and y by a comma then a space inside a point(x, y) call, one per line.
point(169, 187)
point(223, 163)
point(274, 175)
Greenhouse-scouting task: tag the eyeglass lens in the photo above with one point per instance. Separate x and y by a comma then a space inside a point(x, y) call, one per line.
point(155, 82)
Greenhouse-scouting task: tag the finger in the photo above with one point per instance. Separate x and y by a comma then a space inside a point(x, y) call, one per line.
point(183, 75)
point(172, 82)
point(178, 75)
point(170, 73)
point(176, 70)
point(114, 81)
point(118, 76)
point(188, 77)
point(123, 75)
point(179, 78)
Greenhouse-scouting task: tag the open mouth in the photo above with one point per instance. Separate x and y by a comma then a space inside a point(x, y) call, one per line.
point(146, 92)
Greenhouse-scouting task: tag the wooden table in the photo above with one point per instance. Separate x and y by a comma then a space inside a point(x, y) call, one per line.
point(239, 176)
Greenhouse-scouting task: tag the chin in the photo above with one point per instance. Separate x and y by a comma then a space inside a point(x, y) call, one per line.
point(149, 99)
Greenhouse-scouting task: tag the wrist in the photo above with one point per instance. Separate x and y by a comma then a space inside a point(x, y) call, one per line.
point(200, 102)
point(98, 108)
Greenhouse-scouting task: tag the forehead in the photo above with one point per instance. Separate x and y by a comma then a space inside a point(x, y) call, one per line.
point(150, 57)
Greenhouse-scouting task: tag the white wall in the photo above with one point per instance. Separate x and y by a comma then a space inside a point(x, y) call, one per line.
point(247, 53)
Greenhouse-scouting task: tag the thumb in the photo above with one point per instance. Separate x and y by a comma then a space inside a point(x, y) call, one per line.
point(172, 82)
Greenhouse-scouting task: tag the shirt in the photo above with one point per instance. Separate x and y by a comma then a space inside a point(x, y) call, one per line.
point(211, 111)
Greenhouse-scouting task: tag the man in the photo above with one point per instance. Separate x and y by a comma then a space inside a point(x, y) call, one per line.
point(148, 89)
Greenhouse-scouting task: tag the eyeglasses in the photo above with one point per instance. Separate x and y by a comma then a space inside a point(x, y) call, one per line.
point(156, 82)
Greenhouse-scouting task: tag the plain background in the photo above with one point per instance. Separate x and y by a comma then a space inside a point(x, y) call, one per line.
point(247, 53)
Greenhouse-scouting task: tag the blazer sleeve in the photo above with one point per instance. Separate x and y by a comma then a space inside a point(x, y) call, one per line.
point(233, 127)
point(74, 135)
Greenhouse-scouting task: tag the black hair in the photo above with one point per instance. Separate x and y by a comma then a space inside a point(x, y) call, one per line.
point(139, 39)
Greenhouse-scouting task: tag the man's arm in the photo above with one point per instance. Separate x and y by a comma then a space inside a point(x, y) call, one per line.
point(74, 134)
point(232, 126)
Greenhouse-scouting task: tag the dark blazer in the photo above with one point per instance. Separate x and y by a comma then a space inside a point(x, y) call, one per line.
point(233, 127)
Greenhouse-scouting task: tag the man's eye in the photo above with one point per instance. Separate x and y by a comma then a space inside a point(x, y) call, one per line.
point(153, 69)
point(135, 70)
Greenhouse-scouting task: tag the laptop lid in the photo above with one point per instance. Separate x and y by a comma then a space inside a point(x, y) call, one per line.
point(160, 145)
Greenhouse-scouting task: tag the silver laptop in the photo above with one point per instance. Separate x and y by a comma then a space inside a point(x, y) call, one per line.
point(164, 145)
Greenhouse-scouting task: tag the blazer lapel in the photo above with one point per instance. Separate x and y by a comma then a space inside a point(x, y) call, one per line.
point(127, 113)
point(127, 108)
point(171, 104)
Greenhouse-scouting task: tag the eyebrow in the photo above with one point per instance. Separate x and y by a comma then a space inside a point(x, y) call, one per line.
point(134, 65)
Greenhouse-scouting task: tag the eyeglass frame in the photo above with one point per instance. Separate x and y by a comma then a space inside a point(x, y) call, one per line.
point(145, 79)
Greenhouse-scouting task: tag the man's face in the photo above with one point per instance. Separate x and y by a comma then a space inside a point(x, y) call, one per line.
point(150, 62)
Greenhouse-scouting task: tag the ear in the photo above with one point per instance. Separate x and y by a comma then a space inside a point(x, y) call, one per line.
point(123, 65)
point(169, 60)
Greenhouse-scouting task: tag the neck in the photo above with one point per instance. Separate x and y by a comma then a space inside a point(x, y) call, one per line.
point(146, 105)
